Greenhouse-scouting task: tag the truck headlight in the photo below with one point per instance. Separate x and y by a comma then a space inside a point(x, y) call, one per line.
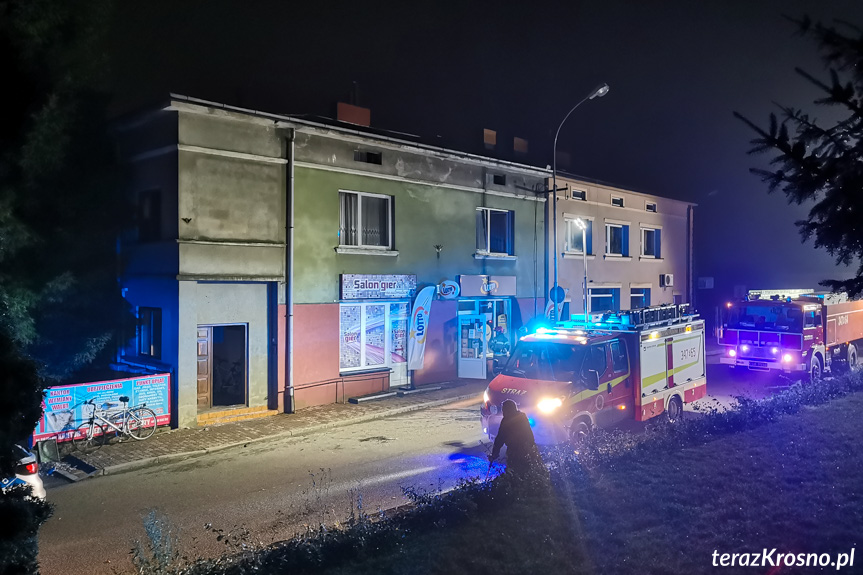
point(550, 404)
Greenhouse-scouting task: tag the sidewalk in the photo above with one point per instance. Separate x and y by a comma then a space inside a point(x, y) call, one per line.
point(172, 445)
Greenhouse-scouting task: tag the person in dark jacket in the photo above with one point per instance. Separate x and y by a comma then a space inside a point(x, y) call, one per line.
point(516, 434)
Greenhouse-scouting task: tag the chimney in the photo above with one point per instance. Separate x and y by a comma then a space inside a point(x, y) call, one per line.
point(353, 114)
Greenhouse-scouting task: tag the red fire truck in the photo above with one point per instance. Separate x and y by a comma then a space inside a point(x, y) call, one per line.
point(581, 375)
point(793, 331)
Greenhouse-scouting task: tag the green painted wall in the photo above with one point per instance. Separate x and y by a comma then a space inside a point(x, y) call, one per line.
point(424, 216)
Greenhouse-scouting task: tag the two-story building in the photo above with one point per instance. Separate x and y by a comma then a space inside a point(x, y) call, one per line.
point(274, 259)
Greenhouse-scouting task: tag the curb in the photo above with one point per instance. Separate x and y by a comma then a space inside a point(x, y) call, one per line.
point(171, 457)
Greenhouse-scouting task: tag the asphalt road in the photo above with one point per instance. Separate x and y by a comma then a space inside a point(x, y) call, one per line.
point(274, 489)
point(271, 489)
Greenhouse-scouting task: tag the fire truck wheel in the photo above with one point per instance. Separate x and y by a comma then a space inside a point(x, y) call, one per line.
point(815, 369)
point(579, 431)
point(674, 411)
point(853, 362)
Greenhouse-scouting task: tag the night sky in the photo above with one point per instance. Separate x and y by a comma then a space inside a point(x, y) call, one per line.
point(446, 70)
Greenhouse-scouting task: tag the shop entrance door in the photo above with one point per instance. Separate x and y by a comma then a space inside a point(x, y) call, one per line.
point(472, 363)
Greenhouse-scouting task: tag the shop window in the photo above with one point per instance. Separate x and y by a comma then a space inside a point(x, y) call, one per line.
point(150, 332)
point(651, 243)
point(604, 299)
point(494, 231)
point(616, 239)
point(574, 236)
point(639, 298)
point(372, 335)
point(366, 220)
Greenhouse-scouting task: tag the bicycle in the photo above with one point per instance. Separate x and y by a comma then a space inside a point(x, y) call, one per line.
point(138, 423)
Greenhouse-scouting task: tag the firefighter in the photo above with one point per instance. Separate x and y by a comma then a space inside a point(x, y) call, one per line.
point(516, 434)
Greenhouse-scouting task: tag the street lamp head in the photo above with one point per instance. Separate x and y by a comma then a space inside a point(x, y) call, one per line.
point(599, 92)
point(580, 223)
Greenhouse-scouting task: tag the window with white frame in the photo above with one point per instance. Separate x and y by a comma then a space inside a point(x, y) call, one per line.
point(574, 236)
point(651, 243)
point(616, 239)
point(494, 231)
point(604, 299)
point(639, 298)
point(372, 335)
point(366, 220)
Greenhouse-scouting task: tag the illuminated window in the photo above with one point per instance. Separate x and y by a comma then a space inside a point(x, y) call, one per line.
point(494, 231)
point(365, 220)
point(616, 239)
point(574, 236)
point(150, 332)
point(372, 335)
point(651, 243)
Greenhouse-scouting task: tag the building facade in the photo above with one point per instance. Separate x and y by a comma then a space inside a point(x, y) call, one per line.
point(638, 247)
point(274, 260)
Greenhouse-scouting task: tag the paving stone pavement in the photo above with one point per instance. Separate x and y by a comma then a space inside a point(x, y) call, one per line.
point(173, 444)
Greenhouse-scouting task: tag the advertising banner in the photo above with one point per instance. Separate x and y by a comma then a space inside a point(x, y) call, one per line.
point(486, 286)
point(63, 409)
point(380, 286)
point(419, 327)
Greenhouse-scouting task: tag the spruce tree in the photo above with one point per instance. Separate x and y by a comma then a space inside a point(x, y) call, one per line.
point(819, 164)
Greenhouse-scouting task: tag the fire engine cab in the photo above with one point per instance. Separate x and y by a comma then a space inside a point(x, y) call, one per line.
point(580, 375)
point(792, 331)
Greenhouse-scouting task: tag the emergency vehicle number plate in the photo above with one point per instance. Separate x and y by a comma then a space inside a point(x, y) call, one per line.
point(757, 364)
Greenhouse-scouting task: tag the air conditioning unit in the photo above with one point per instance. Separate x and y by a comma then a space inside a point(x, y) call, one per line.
point(666, 280)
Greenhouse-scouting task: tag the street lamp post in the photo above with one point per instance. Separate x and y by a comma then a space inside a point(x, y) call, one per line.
point(598, 92)
point(583, 227)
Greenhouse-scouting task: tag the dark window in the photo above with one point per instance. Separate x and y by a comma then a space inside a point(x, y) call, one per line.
point(618, 356)
point(579, 195)
point(597, 361)
point(499, 180)
point(494, 231)
point(615, 201)
point(650, 207)
point(150, 216)
point(651, 242)
point(150, 332)
point(368, 157)
point(639, 298)
point(604, 299)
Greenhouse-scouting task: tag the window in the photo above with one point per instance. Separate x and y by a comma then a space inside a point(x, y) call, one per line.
point(604, 299)
point(615, 201)
point(650, 207)
point(150, 332)
point(574, 236)
point(617, 239)
point(811, 319)
point(150, 216)
point(579, 195)
point(619, 360)
point(499, 179)
point(489, 138)
point(372, 335)
point(368, 157)
point(639, 298)
point(494, 231)
point(651, 243)
point(519, 145)
point(597, 361)
point(366, 220)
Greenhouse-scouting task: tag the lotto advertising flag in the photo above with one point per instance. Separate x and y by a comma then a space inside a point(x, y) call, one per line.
point(419, 327)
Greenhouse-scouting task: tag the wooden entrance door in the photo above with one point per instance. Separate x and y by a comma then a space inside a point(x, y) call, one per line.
point(205, 367)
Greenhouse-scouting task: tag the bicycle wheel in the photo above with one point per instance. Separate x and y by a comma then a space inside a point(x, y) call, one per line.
point(88, 437)
point(141, 422)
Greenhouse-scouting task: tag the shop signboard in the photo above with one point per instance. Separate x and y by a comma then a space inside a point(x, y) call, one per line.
point(378, 286)
point(487, 286)
point(64, 411)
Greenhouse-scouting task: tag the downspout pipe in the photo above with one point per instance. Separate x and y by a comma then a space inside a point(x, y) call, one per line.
point(289, 277)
